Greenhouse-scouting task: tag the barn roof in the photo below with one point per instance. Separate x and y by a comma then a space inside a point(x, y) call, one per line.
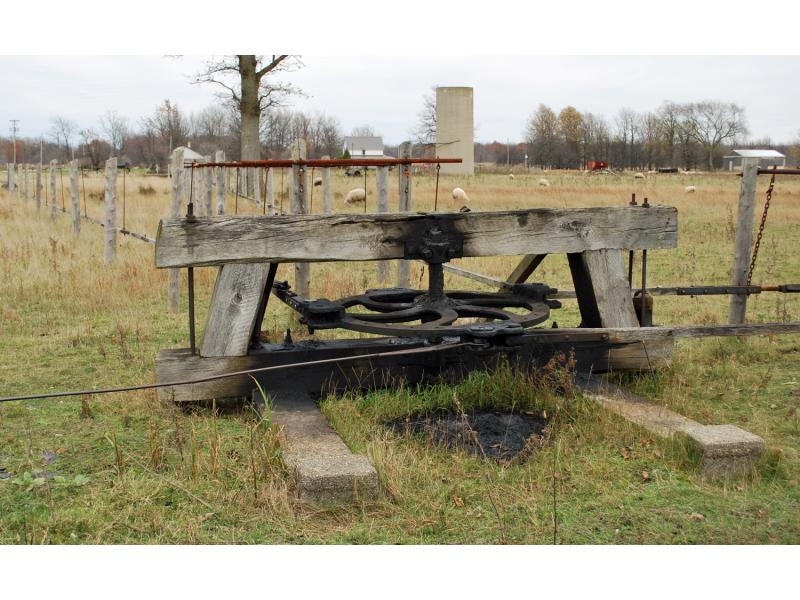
point(757, 153)
point(189, 154)
point(363, 142)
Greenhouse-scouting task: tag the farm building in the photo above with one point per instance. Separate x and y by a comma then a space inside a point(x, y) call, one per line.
point(364, 146)
point(766, 158)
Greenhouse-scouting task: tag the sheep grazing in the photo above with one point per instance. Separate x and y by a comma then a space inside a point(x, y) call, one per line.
point(690, 189)
point(356, 196)
point(460, 195)
point(544, 183)
point(639, 176)
point(317, 181)
point(511, 176)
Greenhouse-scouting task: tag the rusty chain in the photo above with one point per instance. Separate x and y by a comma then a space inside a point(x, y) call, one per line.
point(761, 228)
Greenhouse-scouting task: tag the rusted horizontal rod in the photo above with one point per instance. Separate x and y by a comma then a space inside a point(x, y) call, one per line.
point(762, 171)
point(336, 162)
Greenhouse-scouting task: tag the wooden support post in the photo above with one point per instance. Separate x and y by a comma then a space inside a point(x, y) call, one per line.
point(256, 186)
point(110, 221)
point(233, 312)
point(10, 176)
point(525, 268)
point(38, 190)
point(270, 193)
point(74, 198)
point(404, 171)
point(220, 173)
point(744, 239)
point(327, 192)
point(382, 183)
point(174, 284)
point(299, 206)
point(53, 195)
point(25, 181)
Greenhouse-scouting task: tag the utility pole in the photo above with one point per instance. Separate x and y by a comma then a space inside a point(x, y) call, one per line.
point(14, 130)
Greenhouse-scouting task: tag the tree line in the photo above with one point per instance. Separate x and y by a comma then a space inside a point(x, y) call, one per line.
point(149, 141)
point(689, 135)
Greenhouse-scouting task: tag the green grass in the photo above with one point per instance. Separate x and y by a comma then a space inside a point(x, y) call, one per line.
point(137, 471)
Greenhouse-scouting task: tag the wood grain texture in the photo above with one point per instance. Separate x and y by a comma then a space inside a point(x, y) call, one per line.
point(218, 240)
point(110, 220)
point(612, 294)
point(744, 238)
point(234, 308)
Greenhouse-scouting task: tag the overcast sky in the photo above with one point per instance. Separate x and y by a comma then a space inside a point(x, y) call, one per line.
point(386, 92)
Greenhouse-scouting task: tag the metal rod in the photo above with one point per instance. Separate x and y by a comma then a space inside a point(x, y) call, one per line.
point(337, 162)
point(150, 386)
point(631, 252)
point(778, 171)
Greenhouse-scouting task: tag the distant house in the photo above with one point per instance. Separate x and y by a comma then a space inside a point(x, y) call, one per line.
point(363, 146)
point(766, 158)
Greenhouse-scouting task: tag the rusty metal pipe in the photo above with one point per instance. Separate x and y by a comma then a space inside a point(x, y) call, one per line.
point(337, 162)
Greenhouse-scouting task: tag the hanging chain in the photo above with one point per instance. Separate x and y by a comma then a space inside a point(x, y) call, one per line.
point(436, 196)
point(761, 228)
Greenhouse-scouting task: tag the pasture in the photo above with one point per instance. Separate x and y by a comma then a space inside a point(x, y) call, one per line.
point(128, 469)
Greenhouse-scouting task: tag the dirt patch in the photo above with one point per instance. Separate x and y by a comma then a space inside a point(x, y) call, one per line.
point(498, 435)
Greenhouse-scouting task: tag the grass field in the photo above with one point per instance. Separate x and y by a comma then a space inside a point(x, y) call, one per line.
point(127, 469)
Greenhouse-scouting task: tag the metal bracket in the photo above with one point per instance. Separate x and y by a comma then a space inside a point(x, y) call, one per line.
point(436, 246)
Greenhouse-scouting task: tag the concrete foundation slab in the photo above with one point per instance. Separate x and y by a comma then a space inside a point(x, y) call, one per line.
point(322, 467)
point(725, 450)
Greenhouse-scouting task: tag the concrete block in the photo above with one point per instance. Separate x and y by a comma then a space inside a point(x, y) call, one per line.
point(726, 450)
point(322, 468)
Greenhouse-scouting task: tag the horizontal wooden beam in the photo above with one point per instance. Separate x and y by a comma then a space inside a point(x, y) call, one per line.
point(210, 241)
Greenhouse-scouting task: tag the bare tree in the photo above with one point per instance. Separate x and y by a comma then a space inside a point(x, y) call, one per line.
point(247, 83)
point(363, 131)
point(62, 131)
point(712, 123)
point(115, 127)
point(425, 133)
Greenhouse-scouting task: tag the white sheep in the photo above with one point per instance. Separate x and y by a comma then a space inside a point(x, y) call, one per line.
point(639, 176)
point(544, 183)
point(690, 189)
point(460, 195)
point(356, 196)
point(511, 176)
point(317, 181)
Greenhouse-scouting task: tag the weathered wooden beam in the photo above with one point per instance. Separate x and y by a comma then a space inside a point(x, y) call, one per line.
point(525, 268)
point(232, 316)
point(611, 292)
point(316, 238)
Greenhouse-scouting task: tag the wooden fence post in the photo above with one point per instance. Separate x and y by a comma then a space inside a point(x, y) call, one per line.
point(110, 222)
point(207, 191)
point(52, 190)
point(744, 239)
point(38, 190)
point(256, 185)
point(382, 183)
point(73, 196)
point(299, 206)
point(403, 266)
point(25, 181)
point(270, 193)
point(327, 192)
point(174, 284)
point(220, 173)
